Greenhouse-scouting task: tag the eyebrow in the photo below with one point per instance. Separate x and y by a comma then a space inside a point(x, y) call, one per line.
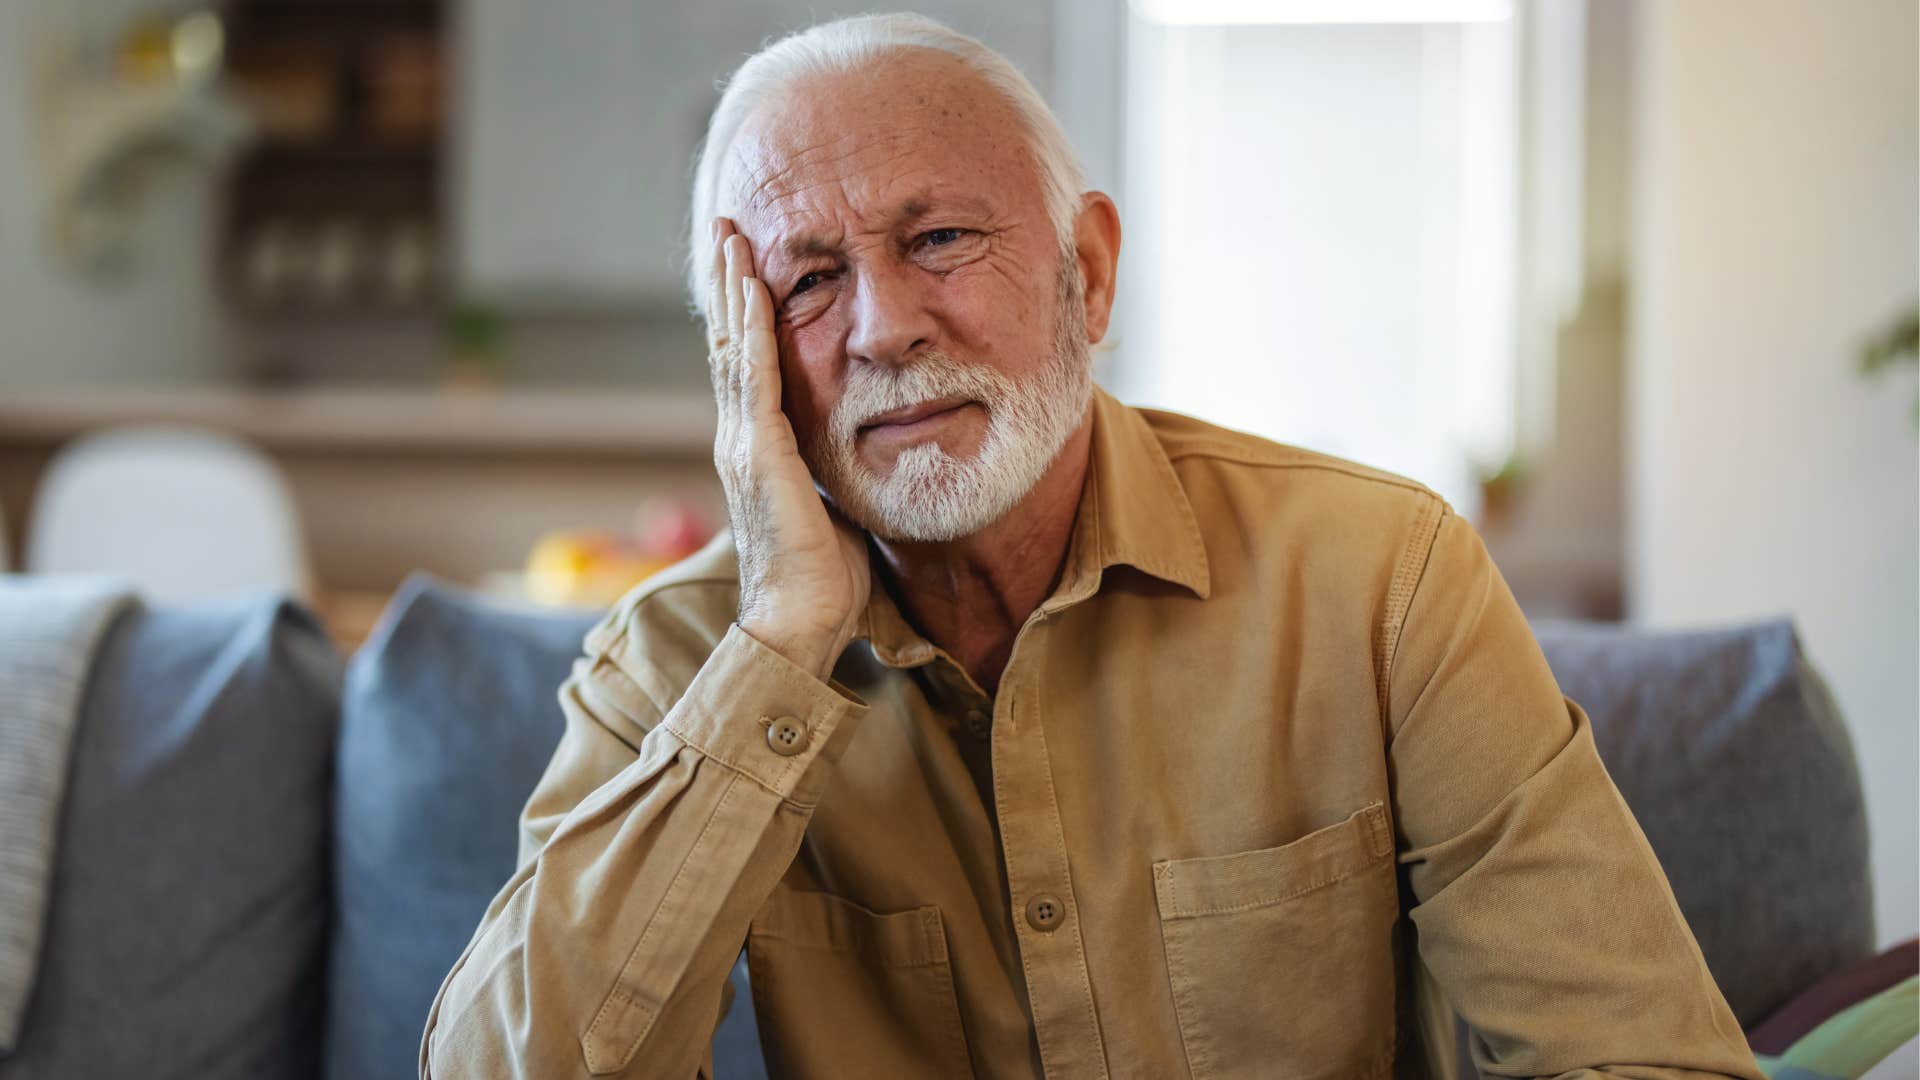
point(795, 248)
point(917, 207)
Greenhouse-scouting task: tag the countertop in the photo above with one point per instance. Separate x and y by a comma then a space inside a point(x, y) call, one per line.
point(676, 422)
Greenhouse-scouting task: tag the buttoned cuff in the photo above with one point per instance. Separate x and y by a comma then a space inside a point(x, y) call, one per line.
point(756, 712)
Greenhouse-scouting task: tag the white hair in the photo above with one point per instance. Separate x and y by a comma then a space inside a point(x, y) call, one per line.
point(848, 45)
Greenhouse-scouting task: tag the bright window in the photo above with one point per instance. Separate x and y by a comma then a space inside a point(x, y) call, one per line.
point(1321, 237)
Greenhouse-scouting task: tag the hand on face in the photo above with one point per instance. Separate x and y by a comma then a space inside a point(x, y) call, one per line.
point(803, 570)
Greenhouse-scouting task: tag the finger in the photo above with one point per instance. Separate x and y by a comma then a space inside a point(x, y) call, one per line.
point(718, 231)
point(708, 308)
point(730, 310)
point(720, 355)
point(737, 267)
point(739, 270)
point(761, 351)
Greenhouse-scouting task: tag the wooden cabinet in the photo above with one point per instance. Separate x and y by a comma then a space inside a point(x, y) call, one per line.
point(337, 205)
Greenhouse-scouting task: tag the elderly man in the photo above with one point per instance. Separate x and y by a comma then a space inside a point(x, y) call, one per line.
point(1014, 731)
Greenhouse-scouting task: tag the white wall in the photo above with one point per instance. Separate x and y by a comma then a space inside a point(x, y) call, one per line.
point(1776, 227)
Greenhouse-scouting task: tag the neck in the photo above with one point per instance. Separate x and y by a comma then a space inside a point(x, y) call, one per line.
point(971, 596)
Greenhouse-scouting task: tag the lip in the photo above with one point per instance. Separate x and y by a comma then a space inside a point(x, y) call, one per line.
point(914, 414)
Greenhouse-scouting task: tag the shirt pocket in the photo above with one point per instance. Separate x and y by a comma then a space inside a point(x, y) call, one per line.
point(839, 990)
point(1281, 960)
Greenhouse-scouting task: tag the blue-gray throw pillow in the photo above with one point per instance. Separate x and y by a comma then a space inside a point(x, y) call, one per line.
point(450, 716)
point(186, 935)
point(1735, 761)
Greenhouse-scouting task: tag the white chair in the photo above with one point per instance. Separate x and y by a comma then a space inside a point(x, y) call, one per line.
point(184, 513)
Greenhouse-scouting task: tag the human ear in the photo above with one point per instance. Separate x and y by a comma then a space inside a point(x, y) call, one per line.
point(1096, 247)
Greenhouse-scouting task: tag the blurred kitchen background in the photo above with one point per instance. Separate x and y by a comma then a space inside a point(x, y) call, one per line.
point(1631, 282)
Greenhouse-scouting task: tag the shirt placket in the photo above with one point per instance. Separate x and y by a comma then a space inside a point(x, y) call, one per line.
point(1046, 916)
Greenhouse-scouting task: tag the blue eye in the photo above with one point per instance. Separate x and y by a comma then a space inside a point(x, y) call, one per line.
point(943, 237)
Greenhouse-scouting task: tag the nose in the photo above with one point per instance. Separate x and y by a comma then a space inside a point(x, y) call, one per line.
point(891, 318)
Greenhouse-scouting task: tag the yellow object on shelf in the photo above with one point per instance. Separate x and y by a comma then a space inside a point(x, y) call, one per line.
point(586, 568)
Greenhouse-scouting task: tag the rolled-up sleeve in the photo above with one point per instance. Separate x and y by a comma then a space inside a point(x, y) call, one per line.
point(645, 852)
point(1539, 907)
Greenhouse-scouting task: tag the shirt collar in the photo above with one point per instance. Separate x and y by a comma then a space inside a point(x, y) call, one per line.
point(1133, 511)
point(1133, 507)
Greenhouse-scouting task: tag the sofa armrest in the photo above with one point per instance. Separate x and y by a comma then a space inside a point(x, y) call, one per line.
point(1821, 1001)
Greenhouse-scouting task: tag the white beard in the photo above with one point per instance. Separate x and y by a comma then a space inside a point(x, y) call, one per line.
point(931, 495)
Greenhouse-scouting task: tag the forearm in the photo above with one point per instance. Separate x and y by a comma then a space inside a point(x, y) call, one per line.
point(1539, 906)
point(606, 953)
point(1553, 931)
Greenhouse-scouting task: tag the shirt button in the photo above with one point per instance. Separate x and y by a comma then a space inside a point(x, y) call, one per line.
point(1044, 912)
point(787, 736)
point(979, 724)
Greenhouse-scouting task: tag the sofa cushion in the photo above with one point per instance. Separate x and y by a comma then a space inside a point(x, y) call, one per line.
point(187, 928)
point(450, 716)
point(1731, 753)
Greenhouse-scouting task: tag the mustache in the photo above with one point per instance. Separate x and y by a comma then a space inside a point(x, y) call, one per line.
point(875, 389)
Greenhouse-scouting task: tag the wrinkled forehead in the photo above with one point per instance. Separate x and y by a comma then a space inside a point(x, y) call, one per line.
point(850, 150)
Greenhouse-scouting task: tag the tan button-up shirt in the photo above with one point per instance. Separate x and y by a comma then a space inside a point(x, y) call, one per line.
point(1275, 776)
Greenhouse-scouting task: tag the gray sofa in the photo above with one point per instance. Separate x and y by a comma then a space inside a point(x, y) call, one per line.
point(269, 858)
